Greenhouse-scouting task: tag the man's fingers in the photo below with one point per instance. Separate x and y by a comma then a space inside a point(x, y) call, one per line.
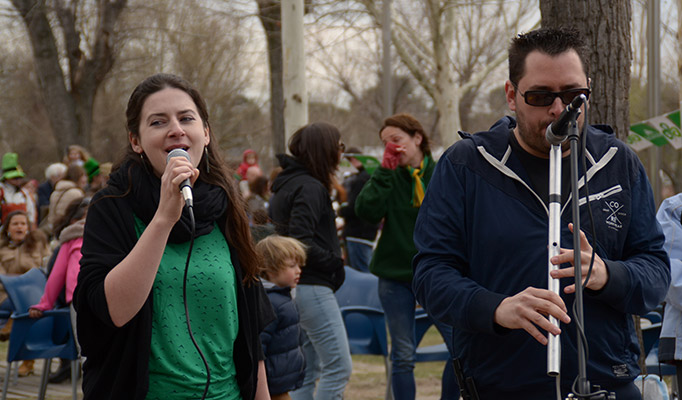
point(530, 310)
point(535, 333)
point(551, 300)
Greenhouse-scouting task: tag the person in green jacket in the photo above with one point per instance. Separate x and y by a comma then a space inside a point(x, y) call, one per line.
point(394, 193)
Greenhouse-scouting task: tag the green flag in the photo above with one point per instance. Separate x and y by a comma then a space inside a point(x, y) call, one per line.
point(370, 163)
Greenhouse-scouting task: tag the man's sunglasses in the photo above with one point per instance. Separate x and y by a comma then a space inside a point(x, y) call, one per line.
point(543, 98)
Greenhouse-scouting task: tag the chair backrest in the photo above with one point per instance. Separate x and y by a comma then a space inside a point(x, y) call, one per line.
point(651, 329)
point(653, 316)
point(366, 329)
point(359, 289)
point(24, 290)
point(47, 337)
point(650, 336)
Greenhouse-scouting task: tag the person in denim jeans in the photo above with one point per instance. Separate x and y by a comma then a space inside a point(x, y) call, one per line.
point(394, 193)
point(301, 207)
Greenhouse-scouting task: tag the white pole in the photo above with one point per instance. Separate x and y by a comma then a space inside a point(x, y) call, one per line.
point(654, 86)
point(295, 94)
point(387, 72)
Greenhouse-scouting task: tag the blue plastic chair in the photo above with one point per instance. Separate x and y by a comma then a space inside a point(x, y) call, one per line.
point(650, 330)
point(366, 330)
point(43, 338)
point(359, 289)
point(653, 366)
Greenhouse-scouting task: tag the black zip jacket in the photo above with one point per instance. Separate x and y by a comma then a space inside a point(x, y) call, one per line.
point(301, 208)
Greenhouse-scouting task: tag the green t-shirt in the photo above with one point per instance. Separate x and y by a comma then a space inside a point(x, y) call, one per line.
point(176, 370)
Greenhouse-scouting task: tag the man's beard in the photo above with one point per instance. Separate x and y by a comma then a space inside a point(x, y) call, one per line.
point(534, 136)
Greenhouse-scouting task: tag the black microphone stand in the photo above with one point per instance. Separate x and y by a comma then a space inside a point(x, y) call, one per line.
point(584, 388)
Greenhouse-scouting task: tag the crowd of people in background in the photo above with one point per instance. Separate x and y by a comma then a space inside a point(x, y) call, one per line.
point(270, 250)
point(302, 216)
point(42, 227)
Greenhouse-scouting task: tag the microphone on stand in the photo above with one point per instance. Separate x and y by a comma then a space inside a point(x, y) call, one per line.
point(555, 134)
point(185, 186)
point(557, 131)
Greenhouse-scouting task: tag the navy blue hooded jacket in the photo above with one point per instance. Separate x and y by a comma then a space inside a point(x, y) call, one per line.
point(281, 341)
point(482, 236)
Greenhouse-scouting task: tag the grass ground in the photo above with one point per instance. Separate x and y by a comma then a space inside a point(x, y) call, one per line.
point(368, 381)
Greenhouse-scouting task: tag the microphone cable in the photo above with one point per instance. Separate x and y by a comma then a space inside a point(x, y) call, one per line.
point(184, 302)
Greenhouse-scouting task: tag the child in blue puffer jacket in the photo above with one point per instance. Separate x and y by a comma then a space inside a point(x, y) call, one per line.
point(281, 340)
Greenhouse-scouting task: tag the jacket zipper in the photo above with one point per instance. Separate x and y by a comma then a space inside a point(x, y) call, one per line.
point(605, 193)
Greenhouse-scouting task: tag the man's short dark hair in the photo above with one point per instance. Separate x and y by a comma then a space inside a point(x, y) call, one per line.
point(551, 41)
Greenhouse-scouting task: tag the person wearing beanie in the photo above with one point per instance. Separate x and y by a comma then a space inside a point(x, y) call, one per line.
point(12, 196)
point(91, 167)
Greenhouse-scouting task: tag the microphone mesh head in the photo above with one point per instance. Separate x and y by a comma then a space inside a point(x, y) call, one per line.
point(178, 153)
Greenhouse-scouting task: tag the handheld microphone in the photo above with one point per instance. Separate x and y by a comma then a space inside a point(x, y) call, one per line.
point(185, 186)
point(556, 132)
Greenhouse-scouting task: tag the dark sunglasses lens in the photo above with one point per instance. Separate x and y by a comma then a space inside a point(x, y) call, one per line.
point(539, 98)
point(567, 96)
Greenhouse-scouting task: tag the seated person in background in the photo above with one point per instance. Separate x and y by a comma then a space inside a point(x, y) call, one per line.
point(261, 226)
point(259, 192)
point(76, 154)
point(64, 273)
point(252, 173)
point(281, 339)
point(71, 187)
point(53, 173)
point(21, 248)
point(98, 175)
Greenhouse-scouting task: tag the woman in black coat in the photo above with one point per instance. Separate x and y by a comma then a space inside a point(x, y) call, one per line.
point(301, 207)
point(136, 298)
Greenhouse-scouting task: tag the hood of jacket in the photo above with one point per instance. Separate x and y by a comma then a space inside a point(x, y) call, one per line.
point(72, 231)
point(291, 168)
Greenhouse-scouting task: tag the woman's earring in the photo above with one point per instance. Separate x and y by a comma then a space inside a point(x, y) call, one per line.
point(208, 168)
point(144, 164)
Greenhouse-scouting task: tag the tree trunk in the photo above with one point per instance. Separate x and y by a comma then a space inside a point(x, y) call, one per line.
point(447, 95)
point(605, 25)
point(69, 109)
point(295, 93)
point(61, 109)
point(269, 13)
point(679, 53)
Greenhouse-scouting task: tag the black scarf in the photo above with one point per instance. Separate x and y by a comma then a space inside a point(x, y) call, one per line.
point(210, 201)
